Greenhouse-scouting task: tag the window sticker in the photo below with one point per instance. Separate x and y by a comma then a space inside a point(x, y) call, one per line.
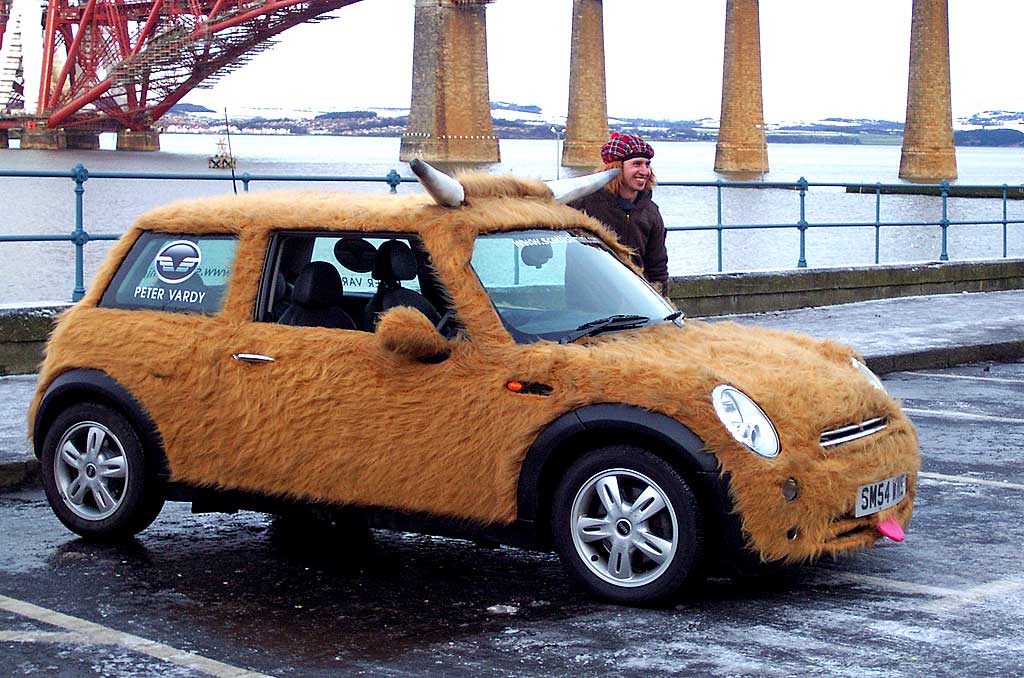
point(178, 261)
point(169, 273)
point(555, 239)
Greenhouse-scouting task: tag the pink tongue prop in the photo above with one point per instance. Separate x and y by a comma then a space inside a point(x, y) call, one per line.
point(891, 528)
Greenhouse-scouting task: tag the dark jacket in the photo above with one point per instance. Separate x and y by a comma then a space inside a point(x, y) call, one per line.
point(642, 229)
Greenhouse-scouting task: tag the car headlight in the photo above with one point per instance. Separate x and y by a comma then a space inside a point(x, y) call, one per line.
point(747, 422)
point(868, 374)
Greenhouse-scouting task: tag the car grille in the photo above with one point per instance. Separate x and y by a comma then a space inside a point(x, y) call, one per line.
point(845, 434)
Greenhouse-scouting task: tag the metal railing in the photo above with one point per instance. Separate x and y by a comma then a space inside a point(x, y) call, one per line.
point(942, 189)
point(79, 236)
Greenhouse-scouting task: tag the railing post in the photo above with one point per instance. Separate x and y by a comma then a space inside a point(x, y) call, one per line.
point(944, 186)
point(79, 237)
point(394, 179)
point(719, 182)
point(246, 178)
point(802, 224)
point(878, 218)
point(1005, 187)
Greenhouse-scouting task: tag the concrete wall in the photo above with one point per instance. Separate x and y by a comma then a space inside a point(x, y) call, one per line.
point(725, 293)
point(23, 328)
point(23, 332)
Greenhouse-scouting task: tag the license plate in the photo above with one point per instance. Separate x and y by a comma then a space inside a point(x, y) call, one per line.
point(878, 496)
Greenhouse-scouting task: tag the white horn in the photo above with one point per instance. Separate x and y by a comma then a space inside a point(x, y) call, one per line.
point(446, 191)
point(567, 190)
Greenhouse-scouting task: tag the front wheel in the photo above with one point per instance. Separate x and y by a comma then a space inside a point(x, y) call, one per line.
point(96, 475)
point(627, 526)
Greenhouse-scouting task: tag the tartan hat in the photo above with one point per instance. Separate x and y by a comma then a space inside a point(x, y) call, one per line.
point(625, 147)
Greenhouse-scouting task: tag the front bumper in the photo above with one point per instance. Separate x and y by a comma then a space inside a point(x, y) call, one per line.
point(821, 519)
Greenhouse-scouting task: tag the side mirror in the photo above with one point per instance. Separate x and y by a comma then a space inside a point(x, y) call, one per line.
point(406, 332)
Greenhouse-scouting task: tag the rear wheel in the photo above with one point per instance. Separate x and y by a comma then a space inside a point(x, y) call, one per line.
point(96, 475)
point(627, 526)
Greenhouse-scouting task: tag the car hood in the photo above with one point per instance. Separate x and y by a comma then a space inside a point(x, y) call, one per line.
point(806, 384)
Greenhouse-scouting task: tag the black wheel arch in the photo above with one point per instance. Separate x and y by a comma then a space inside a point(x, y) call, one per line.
point(91, 385)
point(592, 426)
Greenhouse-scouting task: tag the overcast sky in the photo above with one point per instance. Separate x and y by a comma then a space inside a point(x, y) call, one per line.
point(820, 58)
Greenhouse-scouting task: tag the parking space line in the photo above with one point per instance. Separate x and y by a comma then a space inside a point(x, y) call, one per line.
point(898, 586)
point(973, 481)
point(966, 377)
point(40, 637)
point(975, 595)
point(97, 634)
point(945, 599)
point(966, 416)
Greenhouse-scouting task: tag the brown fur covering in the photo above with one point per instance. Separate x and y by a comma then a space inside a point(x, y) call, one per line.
point(339, 418)
point(406, 331)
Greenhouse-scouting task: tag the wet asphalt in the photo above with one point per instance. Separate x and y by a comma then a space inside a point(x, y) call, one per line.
point(247, 595)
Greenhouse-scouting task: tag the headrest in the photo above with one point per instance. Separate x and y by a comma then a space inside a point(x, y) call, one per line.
point(355, 254)
point(395, 261)
point(318, 285)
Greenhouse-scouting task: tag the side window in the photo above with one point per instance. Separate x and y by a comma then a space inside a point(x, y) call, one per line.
point(173, 272)
point(345, 280)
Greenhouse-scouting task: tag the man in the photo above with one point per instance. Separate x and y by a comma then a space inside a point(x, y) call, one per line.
point(625, 206)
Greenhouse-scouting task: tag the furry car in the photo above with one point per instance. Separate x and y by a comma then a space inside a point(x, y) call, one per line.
point(483, 361)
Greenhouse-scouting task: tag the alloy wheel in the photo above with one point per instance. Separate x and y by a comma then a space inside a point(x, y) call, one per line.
point(624, 527)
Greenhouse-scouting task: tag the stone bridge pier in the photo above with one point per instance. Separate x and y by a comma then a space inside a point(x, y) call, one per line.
point(928, 151)
point(450, 115)
point(741, 136)
point(586, 127)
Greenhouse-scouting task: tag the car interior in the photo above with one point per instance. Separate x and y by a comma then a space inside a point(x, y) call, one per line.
point(346, 282)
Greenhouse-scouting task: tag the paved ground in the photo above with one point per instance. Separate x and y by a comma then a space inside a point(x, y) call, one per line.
point(243, 596)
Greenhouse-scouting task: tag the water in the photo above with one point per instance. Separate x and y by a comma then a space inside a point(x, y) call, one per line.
point(45, 271)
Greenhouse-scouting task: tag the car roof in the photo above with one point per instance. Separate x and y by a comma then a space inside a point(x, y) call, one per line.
point(491, 204)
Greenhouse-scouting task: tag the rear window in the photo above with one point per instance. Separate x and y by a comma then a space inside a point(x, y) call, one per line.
point(173, 272)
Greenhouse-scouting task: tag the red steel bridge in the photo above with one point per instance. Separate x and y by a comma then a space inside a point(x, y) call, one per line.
point(121, 64)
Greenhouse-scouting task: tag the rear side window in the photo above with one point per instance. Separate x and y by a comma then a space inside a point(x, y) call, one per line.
point(173, 272)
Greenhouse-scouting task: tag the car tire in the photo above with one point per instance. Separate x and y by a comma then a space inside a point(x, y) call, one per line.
point(627, 526)
point(96, 474)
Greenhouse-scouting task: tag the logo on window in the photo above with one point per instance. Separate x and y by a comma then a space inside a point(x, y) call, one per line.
point(178, 261)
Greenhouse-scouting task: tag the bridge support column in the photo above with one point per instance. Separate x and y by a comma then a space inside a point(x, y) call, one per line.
point(586, 128)
point(43, 139)
point(138, 140)
point(82, 140)
point(450, 116)
point(928, 151)
point(741, 137)
point(3, 139)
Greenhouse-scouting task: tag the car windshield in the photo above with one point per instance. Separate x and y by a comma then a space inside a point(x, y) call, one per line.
point(562, 285)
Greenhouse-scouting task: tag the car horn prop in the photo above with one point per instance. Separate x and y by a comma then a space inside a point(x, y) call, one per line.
point(448, 192)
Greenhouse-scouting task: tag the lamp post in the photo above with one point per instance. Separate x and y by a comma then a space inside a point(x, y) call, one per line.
point(558, 151)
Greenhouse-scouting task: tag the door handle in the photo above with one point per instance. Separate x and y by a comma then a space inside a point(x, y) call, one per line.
point(252, 357)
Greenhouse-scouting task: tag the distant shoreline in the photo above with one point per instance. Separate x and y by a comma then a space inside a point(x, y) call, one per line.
point(845, 140)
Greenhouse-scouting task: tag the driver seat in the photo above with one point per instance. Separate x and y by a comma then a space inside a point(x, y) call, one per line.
point(316, 296)
point(395, 261)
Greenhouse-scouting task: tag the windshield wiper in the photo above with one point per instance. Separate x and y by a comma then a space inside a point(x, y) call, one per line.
point(612, 322)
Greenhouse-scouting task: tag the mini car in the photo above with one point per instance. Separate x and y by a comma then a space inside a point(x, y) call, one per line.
point(481, 361)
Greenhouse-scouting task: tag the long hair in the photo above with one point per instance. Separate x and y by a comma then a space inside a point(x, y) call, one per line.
point(615, 184)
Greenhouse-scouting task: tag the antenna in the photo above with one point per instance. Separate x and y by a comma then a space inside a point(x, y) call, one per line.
point(231, 155)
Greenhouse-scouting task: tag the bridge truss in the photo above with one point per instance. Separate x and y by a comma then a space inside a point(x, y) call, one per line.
point(122, 64)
